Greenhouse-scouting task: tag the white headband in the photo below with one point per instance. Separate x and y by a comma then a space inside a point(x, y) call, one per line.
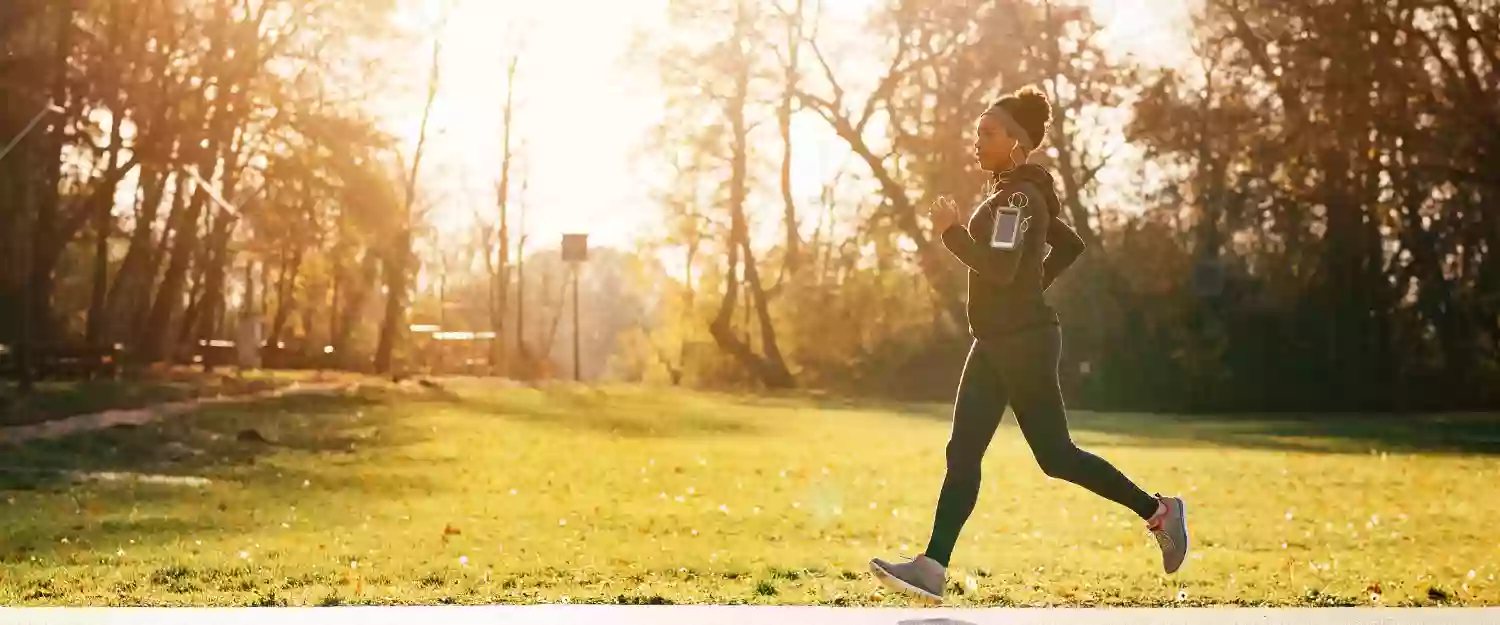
point(1012, 126)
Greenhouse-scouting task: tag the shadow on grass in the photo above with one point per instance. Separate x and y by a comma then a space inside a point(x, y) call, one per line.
point(213, 441)
point(60, 399)
point(1477, 434)
point(92, 493)
point(630, 413)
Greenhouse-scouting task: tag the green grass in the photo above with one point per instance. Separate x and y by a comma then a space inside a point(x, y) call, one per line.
point(654, 496)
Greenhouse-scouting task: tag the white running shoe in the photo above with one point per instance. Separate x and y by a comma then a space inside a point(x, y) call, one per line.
point(922, 577)
point(1169, 528)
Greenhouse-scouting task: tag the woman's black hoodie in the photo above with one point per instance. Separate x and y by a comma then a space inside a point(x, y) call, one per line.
point(1006, 285)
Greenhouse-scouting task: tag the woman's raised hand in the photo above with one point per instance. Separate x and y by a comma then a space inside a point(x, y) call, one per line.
point(944, 213)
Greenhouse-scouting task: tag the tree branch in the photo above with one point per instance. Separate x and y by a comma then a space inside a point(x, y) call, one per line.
point(893, 75)
point(838, 91)
point(1089, 173)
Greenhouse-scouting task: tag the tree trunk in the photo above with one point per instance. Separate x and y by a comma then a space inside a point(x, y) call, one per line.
point(95, 334)
point(131, 278)
point(286, 282)
point(45, 250)
point(336, 289)
point(158, 331)
point(154, 280)
point(775, 370)
point(395, 264)
point(498, 356)
point(769, 371)
point(354, 306)
point(217, 264)
point(219, 258)
point(398, 258)
point(186, 329)
point(784, 121)
point(562, 294)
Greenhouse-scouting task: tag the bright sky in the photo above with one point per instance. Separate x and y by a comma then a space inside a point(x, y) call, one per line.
point(582, 114)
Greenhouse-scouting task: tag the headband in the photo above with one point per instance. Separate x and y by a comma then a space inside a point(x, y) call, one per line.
point(1011, 126)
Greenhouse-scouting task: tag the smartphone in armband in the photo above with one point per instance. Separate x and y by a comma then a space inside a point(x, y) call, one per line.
point(1008, 229)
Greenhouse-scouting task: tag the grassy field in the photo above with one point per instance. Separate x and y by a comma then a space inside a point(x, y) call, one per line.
point(476, 495)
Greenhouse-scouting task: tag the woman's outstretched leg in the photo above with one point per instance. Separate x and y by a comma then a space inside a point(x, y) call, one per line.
point(977, 410)
point(1029, 363)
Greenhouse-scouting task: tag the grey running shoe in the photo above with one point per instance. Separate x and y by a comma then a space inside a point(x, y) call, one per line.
point(922, 577)
point(1171, 533)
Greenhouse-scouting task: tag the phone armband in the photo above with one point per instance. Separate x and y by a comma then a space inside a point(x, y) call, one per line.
point(1008, 229)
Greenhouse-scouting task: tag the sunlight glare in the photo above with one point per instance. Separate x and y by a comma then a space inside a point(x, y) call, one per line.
point(580, 119)
point(1153, 30)
point(577, 118)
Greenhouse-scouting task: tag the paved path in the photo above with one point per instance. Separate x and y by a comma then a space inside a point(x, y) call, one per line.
point(58, 428)
point(747, 615)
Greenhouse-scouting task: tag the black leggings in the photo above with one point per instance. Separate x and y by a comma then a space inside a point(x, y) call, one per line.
point(1019, 370)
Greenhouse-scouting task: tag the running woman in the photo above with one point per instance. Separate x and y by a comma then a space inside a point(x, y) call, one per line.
point(1017, 343)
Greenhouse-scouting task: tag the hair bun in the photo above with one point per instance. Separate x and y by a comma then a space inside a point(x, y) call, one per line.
point(1033, 105)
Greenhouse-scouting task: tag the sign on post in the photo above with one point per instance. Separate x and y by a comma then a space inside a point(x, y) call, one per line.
point(575, 248)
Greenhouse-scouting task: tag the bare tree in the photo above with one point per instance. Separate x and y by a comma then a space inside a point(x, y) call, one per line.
point(770, 366)
point(397, 260)
point(498, 357)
